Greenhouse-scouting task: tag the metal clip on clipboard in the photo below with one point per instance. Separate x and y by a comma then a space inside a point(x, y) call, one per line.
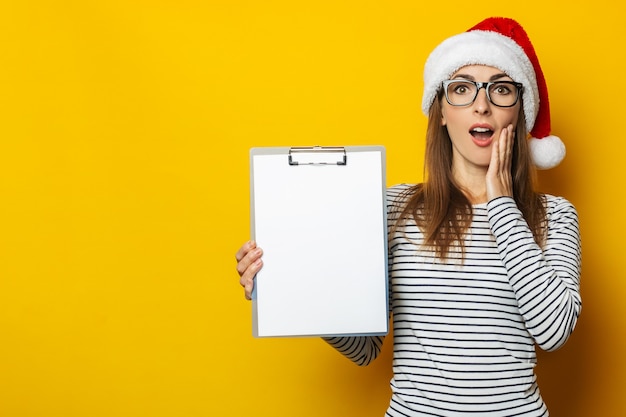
point(317, 155)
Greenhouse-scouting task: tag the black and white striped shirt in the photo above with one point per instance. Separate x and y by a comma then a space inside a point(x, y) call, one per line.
point(465, 331)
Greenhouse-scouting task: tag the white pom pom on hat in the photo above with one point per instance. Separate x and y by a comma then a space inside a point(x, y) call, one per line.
point(502, 43)
point(547, 152)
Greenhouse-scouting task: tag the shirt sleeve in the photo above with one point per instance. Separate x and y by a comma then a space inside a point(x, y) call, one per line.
point(546, 281)
point(361, 350)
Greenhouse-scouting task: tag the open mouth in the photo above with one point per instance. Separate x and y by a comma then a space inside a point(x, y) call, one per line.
point(481, 133)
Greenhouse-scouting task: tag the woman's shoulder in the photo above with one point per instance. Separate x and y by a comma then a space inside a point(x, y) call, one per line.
point(400, 193)
point(558, 206)
point(399, 189)
point(398, 196)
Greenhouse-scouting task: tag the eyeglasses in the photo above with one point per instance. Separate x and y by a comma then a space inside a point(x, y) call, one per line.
point(499, 93)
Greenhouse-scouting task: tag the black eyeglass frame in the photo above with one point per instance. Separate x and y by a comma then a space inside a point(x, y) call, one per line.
point(519, 87)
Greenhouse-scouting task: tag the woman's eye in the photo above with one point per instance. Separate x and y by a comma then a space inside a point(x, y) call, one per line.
point(502, 89)
point(461, 89)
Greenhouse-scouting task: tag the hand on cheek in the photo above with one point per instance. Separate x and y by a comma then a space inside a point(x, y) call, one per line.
point(499, 180)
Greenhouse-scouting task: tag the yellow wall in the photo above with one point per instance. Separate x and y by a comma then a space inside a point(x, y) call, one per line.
point(124, 136)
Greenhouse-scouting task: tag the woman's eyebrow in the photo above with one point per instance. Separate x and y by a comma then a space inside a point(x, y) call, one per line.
point(498, 76)
point(465, 76)
point(472, 78)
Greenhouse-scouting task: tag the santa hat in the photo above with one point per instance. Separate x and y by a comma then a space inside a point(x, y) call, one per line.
point(501, 43)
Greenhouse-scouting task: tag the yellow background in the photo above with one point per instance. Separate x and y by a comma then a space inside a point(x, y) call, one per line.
point(125, 128)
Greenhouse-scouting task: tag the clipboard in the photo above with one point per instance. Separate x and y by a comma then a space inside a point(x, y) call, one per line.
point(319, 213)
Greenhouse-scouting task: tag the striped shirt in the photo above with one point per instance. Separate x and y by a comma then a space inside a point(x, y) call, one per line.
point(464, 331)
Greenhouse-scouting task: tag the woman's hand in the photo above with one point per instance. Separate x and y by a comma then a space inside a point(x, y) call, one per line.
point(499, 181)
point(248, 264)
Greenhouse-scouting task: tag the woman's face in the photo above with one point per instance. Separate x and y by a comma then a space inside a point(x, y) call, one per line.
point(472, 128)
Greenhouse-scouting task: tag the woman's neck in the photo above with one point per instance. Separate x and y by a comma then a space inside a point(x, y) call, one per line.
point(472, 183)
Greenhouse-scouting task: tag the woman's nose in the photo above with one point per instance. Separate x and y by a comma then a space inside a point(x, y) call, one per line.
point(482, 104)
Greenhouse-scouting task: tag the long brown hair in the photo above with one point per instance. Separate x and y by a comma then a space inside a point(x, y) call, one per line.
point(440, 207)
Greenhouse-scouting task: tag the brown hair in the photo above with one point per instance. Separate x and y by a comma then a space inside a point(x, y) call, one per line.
point(439, 206)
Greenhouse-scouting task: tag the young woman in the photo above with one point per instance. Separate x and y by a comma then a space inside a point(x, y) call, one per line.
point(482, 268)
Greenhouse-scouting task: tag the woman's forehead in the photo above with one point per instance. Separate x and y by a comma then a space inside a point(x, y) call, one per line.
point(480, 71)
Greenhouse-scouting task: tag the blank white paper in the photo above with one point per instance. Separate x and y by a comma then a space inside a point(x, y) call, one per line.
point(323, 233)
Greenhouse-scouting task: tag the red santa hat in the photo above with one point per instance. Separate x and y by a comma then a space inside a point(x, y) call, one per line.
point(501, 43)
